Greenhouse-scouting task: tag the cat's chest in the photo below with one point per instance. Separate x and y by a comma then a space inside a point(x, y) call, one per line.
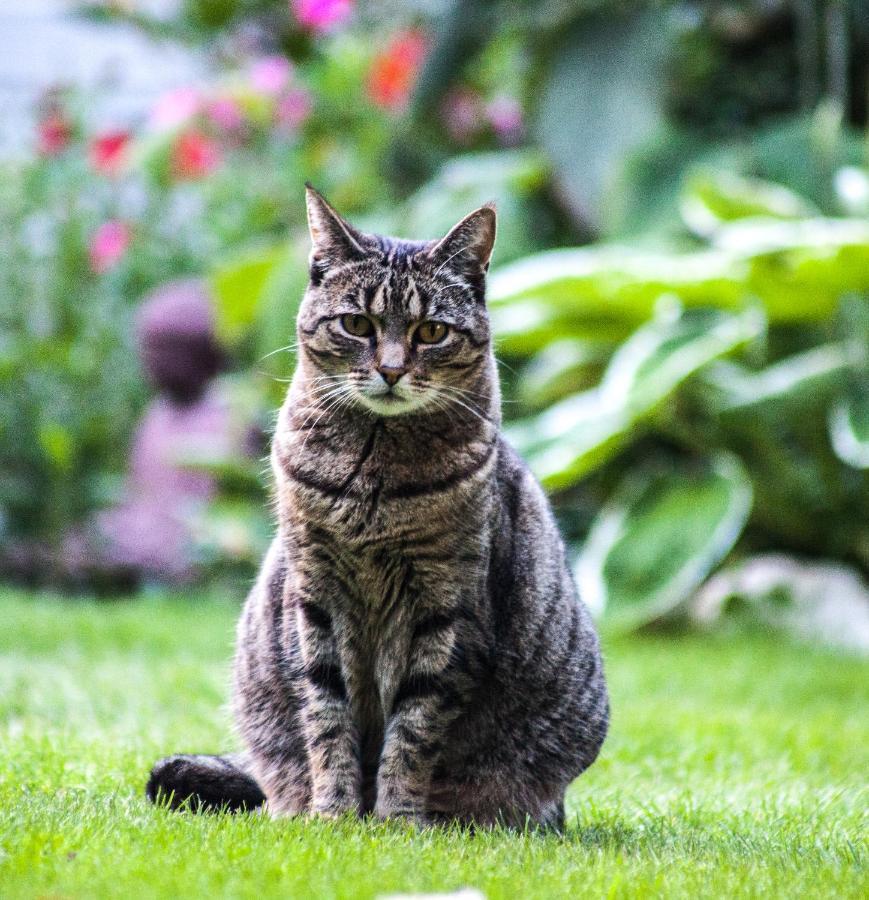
point(375, 612)
point(368, 490)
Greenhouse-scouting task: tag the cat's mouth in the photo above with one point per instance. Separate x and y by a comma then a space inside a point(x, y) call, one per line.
point(391, 401)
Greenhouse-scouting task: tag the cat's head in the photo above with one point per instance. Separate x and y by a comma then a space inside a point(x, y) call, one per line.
point(396, 326)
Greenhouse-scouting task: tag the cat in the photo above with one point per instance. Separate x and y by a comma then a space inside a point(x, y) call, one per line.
point(414, 646)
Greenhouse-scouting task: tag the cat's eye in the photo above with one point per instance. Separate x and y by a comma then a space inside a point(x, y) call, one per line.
point(431, 332)
point(358, 326)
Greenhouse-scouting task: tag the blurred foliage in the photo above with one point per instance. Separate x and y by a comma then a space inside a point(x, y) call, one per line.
point(765, 394)
point(618, 87)
point(691, 387)
point(660, 535)
point(70, 385)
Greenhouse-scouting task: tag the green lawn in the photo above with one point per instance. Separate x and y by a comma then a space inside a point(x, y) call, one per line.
point(737, 764)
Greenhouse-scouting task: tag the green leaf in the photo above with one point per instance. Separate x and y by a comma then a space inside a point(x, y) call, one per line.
point(849, 430)
point(659, 537)
point(237, 287)
point(801, 270)
point(783, 390)
point(607, 62)
point(798, 270)
point(278, 306)
point(658, 357)
point(711, 199)
point(603, 291)
point(581, 432)
point(561, 368)
point(233, 473)
point(58, 444)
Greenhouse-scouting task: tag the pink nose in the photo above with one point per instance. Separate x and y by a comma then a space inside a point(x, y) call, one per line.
point(391, 374)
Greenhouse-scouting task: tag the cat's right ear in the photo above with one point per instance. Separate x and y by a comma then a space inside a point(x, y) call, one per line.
point(333, 239)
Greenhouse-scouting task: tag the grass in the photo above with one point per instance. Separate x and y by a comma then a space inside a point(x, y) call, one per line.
point(737, 765)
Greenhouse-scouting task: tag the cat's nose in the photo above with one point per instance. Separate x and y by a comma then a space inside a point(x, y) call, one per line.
point(391, 374)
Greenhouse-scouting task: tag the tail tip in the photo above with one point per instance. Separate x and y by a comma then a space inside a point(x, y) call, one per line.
point(202, 783)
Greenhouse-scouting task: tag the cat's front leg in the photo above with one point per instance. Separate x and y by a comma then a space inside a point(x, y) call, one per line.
point(331, 737)
point(428, 699)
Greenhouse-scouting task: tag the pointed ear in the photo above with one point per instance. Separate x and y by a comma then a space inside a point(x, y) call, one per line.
point(333, 239)
point(468, 246)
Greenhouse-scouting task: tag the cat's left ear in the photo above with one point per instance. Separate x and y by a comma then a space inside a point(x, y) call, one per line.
point(468, 246)
point(334, 240)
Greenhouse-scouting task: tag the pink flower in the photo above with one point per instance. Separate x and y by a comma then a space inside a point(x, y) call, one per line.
point(175, 108)
point(394, 71)
point(194, 155)
point(505, 116)
point(108, 151)
point(462, 113)
point(108, 245)
point(271, 74)
point(54, 133)
point(225, 113)
point(293, 108)
point(321, 16)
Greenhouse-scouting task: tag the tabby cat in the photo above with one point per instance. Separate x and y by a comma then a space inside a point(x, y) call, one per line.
point(414, 645)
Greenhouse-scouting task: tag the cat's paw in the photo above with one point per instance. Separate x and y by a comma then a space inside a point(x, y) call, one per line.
point(402, 813)
point(334, 807)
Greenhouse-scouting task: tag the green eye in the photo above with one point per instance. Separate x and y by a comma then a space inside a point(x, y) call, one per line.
point(431, 332)
point(358, 326)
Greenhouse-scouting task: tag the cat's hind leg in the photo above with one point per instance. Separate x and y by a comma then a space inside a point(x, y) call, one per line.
point(204, 783)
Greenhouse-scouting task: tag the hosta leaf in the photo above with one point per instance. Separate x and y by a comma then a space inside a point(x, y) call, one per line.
point(598, 284)
point(602, 63)
point(561, 368)
point(659, 537)
point(799, 271)
point(849, 430)
point(783, 389)
point(658, 357)
point(579, 433)
point(711, 199)
point(530, 325)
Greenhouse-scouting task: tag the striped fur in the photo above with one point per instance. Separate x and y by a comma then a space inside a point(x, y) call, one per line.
point(414, 646)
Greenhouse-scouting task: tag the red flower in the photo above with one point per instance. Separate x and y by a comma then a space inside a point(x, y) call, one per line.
point(394, 71)
point(108, 245)
point(194, 155)
point(54, 133)
point(108, 151)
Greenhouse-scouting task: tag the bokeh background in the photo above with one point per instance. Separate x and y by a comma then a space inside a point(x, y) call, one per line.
point(680, 289)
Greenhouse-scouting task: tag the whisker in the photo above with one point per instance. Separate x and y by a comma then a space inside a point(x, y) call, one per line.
point(323, 397)
point(469, 393)
point(343, 395)
point(504, 364)
point(293, 346)
point(454, 399)
point(465, 392)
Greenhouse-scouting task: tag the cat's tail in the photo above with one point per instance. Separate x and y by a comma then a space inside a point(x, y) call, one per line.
point(204, 783)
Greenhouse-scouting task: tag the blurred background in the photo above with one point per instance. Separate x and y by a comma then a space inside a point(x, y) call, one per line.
point(680, 289)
